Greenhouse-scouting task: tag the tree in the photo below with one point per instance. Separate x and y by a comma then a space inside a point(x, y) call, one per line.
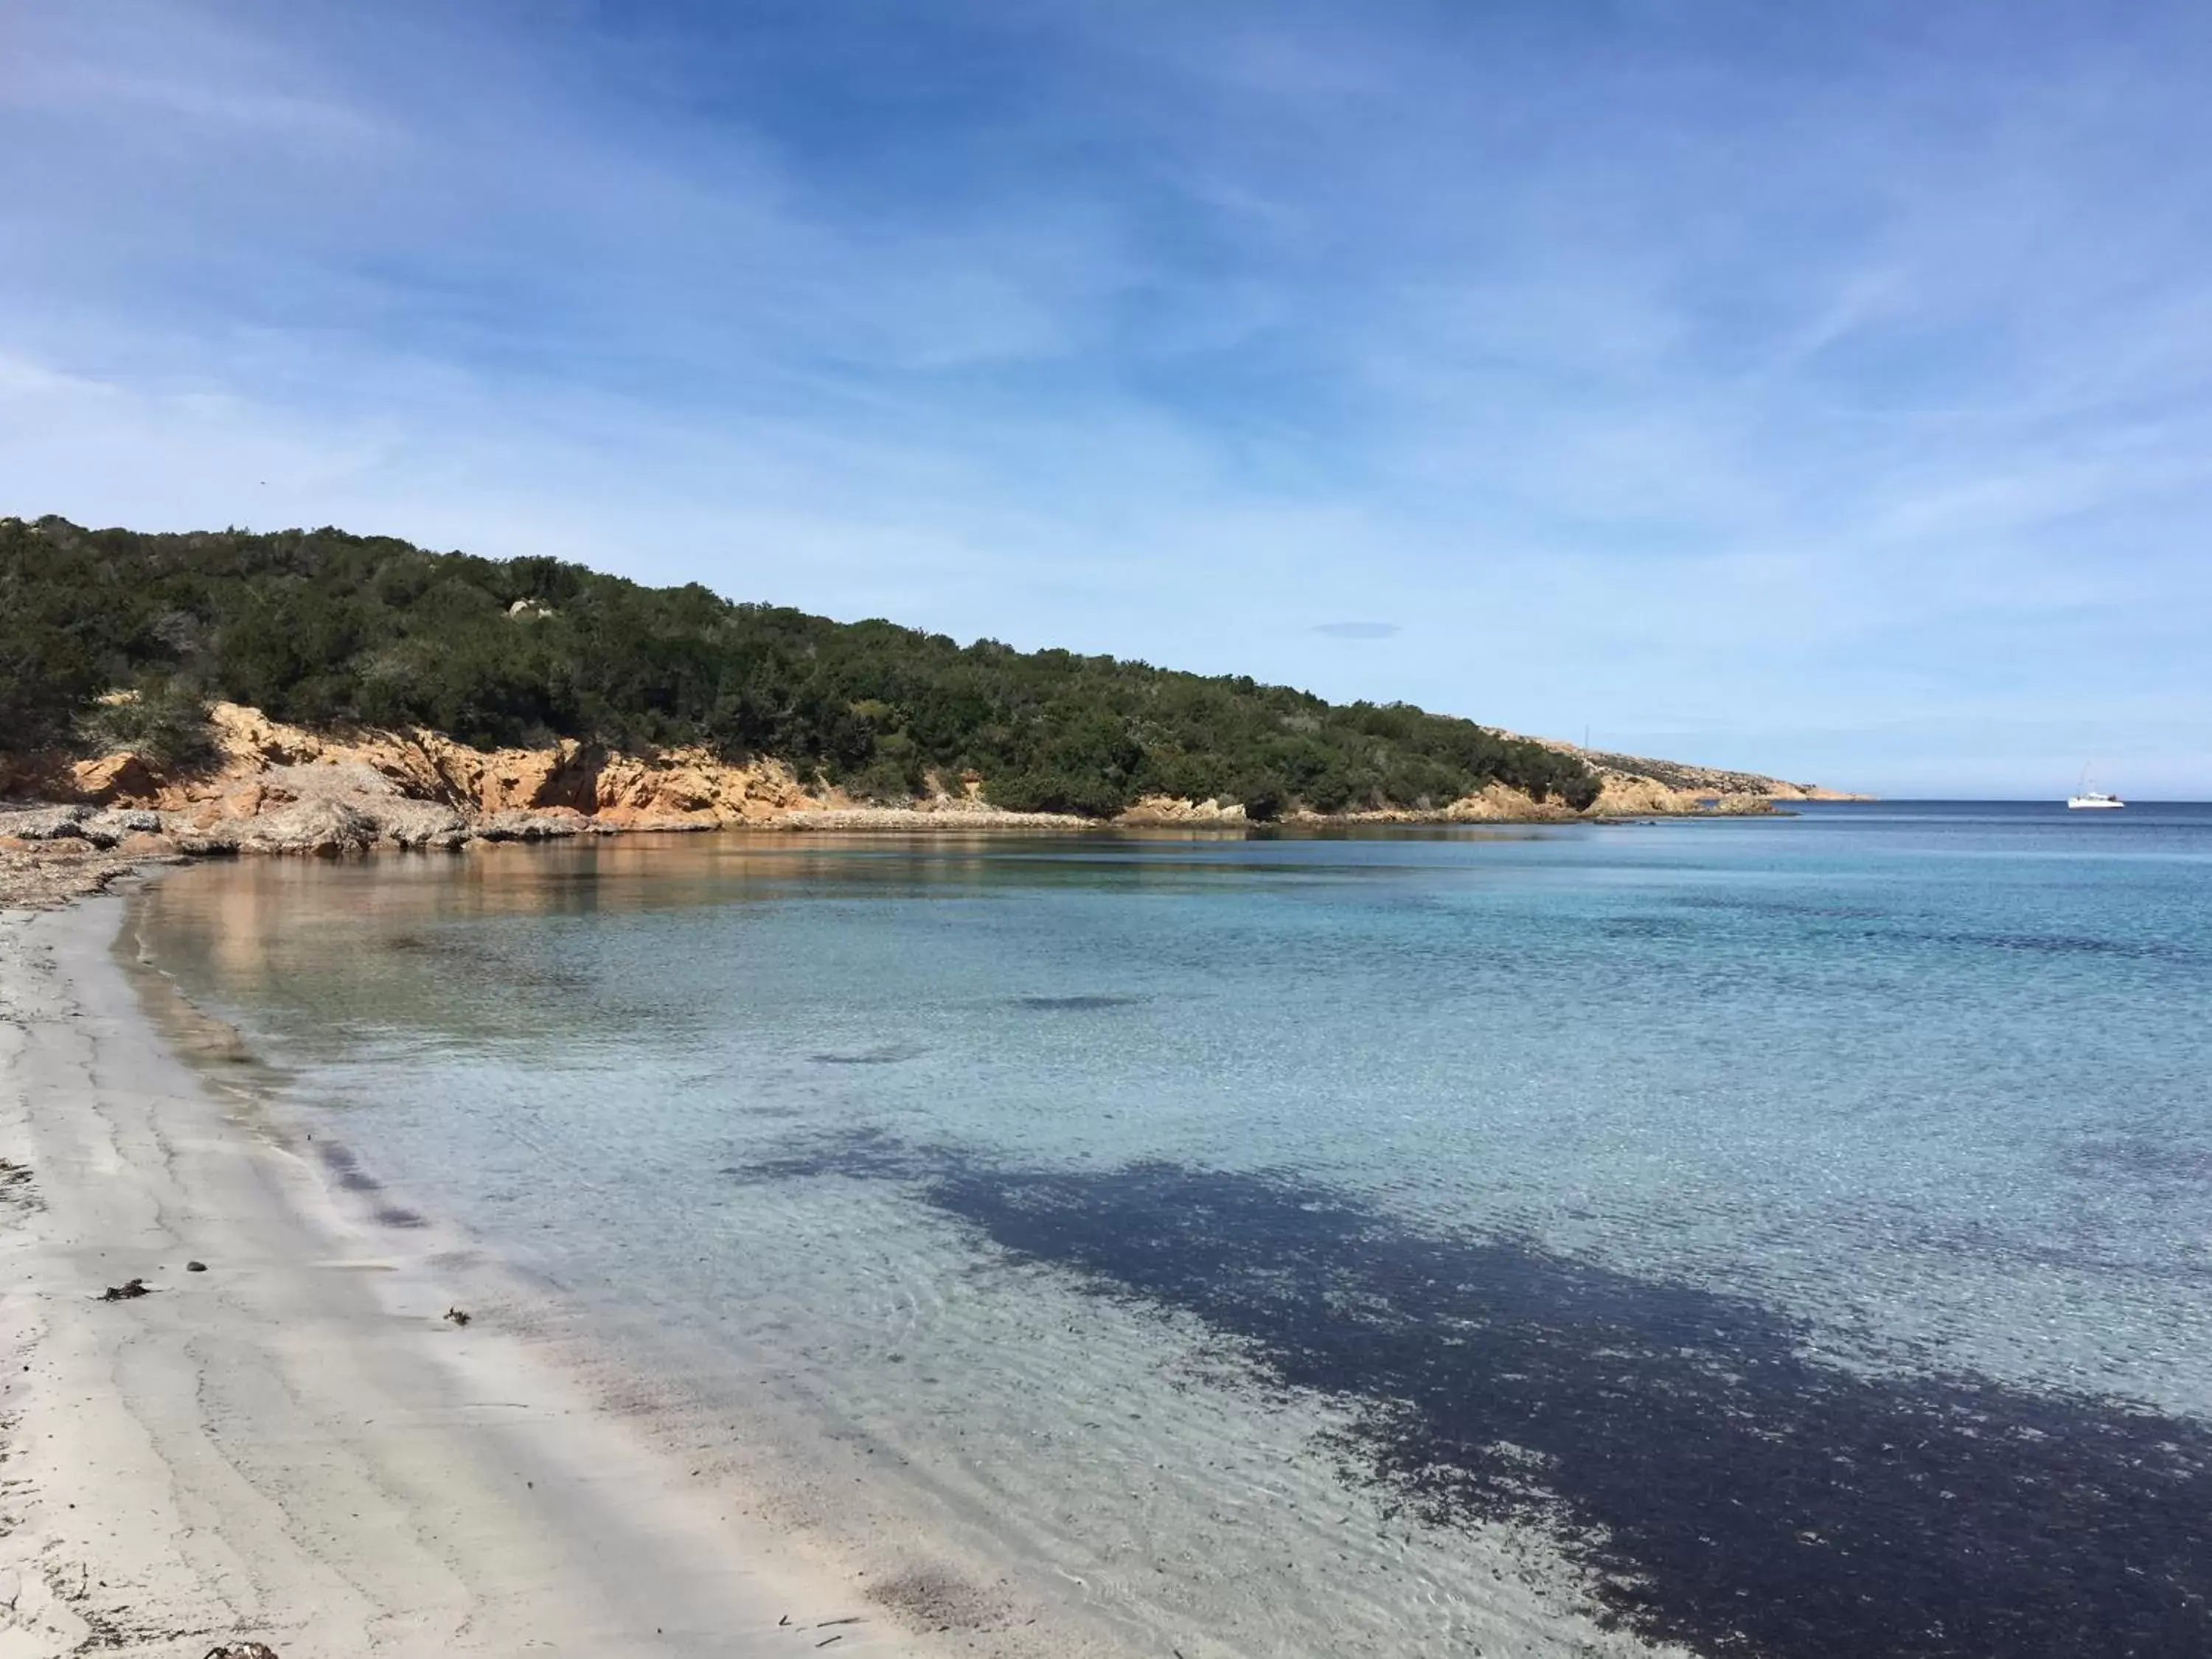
point(319, 627)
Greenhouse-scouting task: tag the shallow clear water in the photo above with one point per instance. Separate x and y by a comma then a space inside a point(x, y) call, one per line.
point(1788, 1232)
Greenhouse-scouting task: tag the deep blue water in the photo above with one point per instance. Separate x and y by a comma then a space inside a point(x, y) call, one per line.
point(1786, 1236)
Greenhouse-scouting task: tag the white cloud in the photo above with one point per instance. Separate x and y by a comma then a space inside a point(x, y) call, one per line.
point(1780, 387)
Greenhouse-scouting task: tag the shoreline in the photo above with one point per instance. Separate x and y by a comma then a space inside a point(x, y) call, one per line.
point(269, 787)
point(60, 868)
point(293, 1446)
point(52, 856)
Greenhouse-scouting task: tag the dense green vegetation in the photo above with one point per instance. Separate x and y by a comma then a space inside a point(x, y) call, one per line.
point(319, 626)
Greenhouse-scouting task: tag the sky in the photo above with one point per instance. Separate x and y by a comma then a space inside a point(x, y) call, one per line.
point(1823, 389)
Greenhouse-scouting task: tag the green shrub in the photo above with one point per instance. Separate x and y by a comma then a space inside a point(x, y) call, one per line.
point(165, 723)
point(319, 626)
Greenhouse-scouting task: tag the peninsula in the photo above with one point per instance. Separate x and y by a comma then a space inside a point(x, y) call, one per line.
point(318, 692)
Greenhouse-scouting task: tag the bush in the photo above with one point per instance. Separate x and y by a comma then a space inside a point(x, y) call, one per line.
point(165, 723)
point(319, 627)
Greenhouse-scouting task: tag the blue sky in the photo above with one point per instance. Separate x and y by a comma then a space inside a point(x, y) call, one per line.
point(1821, 388)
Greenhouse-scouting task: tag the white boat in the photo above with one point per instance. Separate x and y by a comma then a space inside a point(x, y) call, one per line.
point(2085, 800)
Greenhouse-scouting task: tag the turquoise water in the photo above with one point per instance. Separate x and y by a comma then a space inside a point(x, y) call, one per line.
point(1582, 1219)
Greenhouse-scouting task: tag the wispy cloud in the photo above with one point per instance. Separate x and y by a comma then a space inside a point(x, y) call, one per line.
point(1827, 363)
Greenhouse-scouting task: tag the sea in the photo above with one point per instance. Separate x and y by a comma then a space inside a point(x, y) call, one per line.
point(1785, 1236)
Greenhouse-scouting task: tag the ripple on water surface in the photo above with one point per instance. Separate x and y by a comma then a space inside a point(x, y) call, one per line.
point(1781, 1237)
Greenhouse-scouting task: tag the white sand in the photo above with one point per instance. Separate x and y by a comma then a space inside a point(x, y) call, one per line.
point(293, 1446)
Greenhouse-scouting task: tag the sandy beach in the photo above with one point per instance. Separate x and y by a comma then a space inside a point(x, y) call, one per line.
point(294, 1445)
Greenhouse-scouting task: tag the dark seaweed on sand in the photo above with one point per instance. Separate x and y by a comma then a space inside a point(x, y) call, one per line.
point(1723, 1489)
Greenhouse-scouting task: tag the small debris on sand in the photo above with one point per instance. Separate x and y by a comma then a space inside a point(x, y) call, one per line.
point(196, 1267)
point(242, 1650)
point(456, 1316)
point(130, 1291)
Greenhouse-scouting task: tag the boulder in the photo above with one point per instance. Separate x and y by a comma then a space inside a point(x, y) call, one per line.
point(60, 847)
point(44, 823)
point(419, 824)
point(116, 825)
point(512, 825)
point(318, 828)
point(124, 777)
point(1173, 809)
point(207, 841)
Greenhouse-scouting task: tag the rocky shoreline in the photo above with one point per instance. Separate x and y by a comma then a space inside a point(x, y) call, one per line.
point(269, 788)
point(46, 872)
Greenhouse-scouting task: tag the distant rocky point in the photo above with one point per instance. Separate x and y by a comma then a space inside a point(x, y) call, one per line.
point(1678, 778)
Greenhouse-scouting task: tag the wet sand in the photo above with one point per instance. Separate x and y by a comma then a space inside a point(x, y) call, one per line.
point(294, 1445)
